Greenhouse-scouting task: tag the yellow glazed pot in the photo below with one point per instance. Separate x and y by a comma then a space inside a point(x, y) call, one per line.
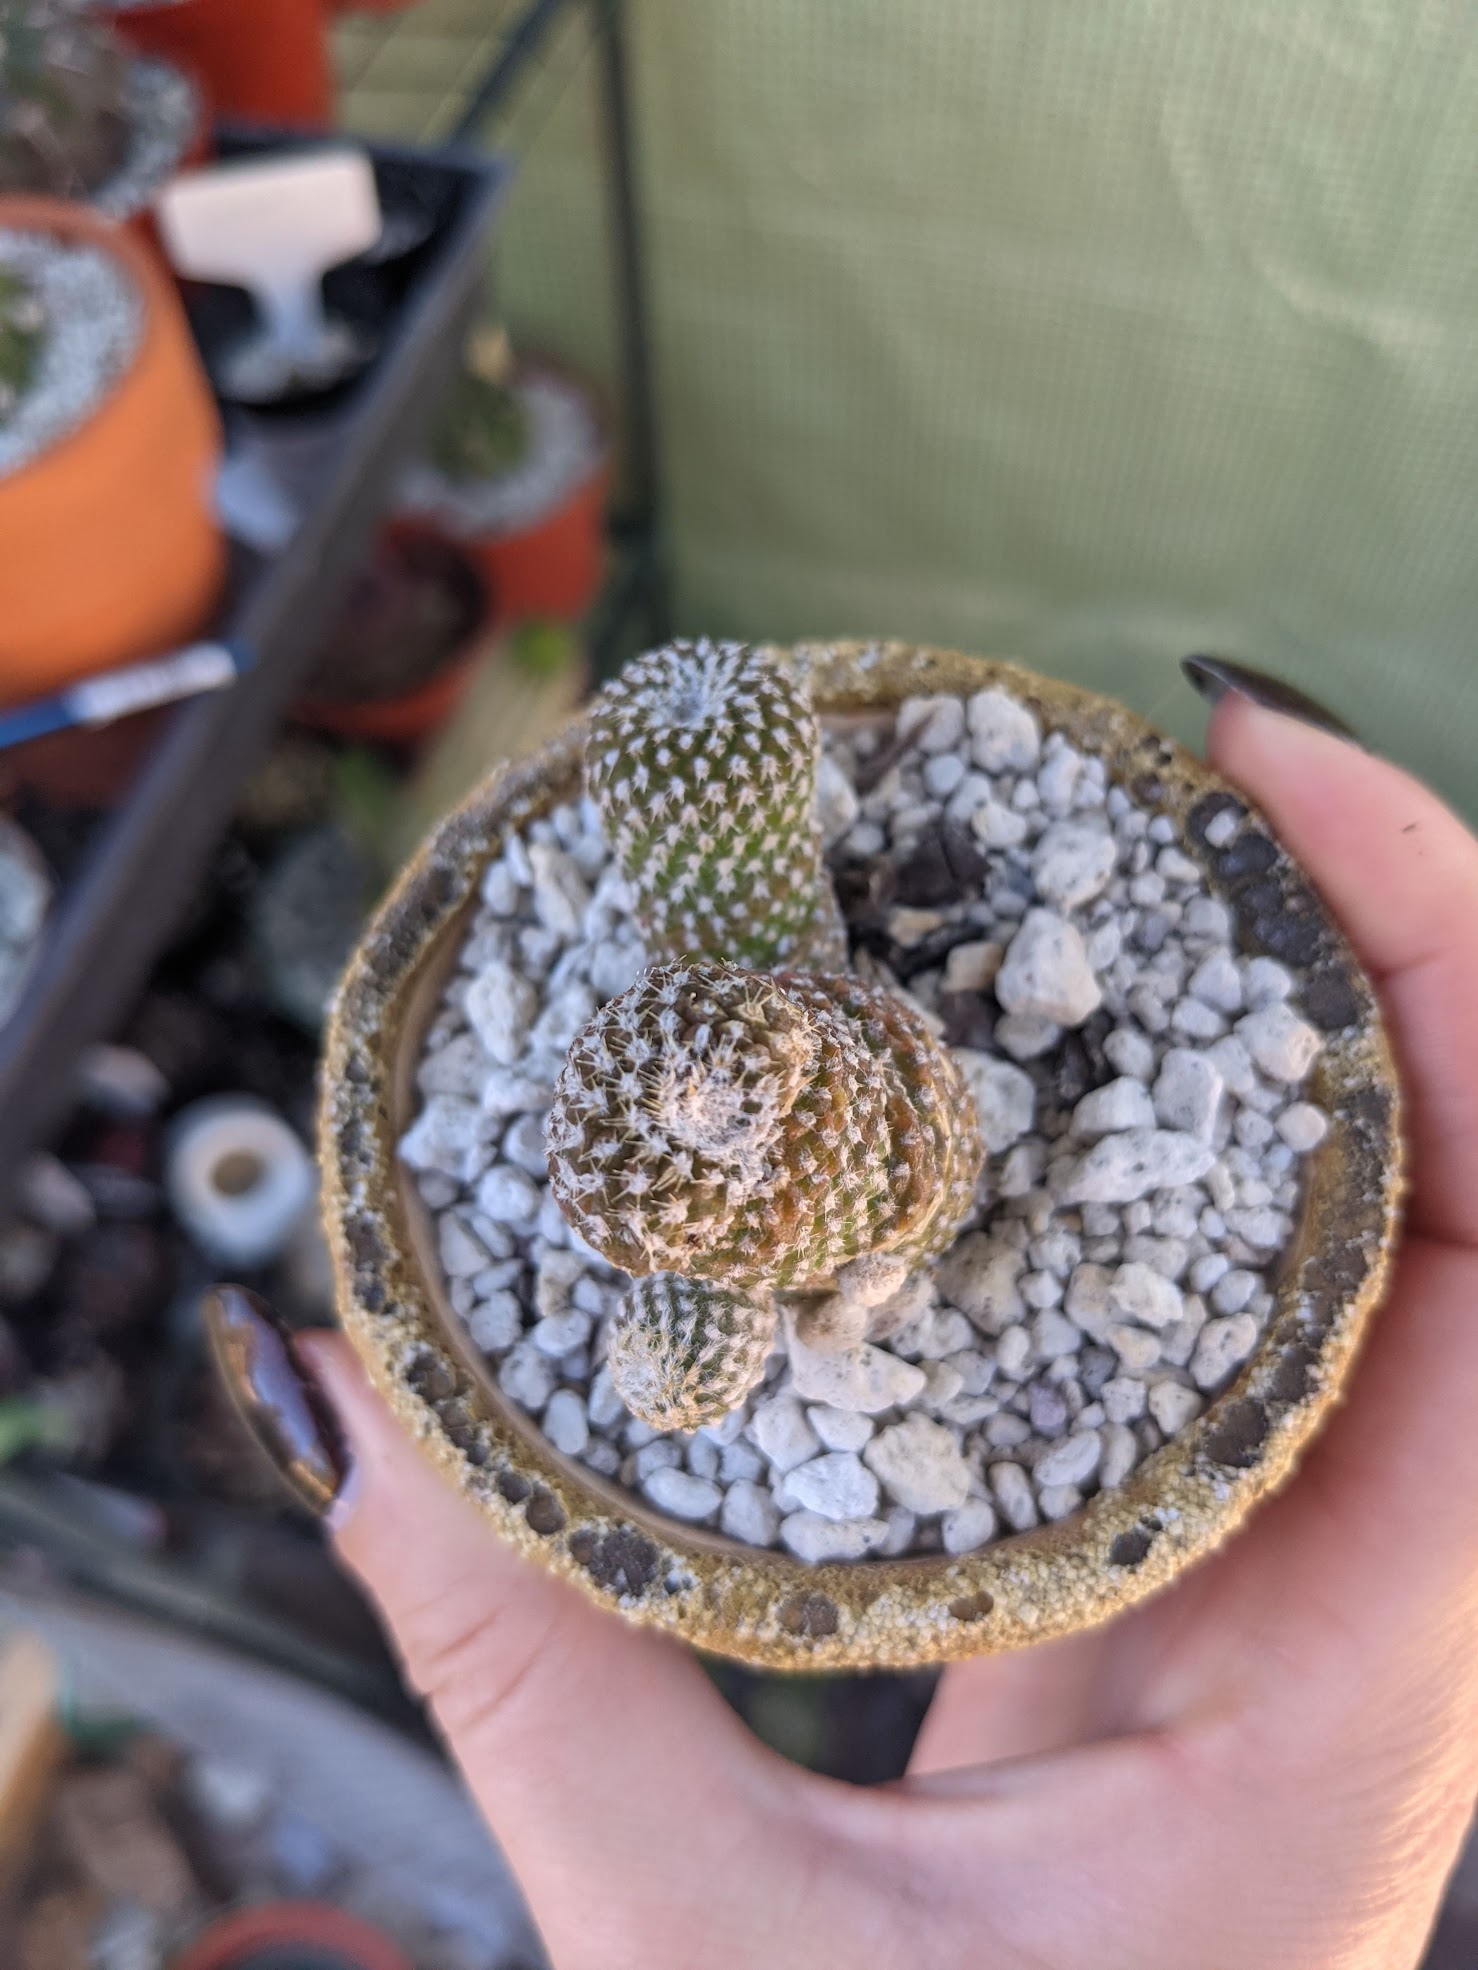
point(762, 1606)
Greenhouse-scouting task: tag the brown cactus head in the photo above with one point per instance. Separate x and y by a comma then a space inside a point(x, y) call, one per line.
point(759, 1129)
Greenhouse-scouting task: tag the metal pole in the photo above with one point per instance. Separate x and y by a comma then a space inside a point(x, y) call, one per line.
point(641, 415)
point(516, 50)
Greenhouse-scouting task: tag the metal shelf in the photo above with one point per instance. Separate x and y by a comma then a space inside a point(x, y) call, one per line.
point(135, 879)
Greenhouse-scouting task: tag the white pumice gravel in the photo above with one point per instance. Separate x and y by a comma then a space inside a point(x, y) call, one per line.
point(93, 320)
point(1141, 1092)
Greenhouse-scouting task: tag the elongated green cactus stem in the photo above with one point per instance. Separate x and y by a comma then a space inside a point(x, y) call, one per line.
point(759, 1129)
point(702, 759)
point(684, 1352)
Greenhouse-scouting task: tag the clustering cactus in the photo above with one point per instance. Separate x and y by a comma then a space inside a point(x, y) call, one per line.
point(22, 328)
point(734, 1125)
point(63, 83)
point(702, 757)
point(684, 1351)
point(758, 1131)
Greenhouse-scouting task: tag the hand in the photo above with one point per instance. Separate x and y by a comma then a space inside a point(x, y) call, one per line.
point(1270, 1767)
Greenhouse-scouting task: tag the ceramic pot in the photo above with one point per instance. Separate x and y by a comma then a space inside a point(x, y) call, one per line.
point(258, 61)
point(762, 1606)
point(109, 547)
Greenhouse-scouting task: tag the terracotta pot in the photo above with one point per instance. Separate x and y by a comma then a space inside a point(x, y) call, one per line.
point(109, 548)
point(408, 720)
point(411, 717)
point(280, 1933)
point(554, 567)
point(260, 61)
point(763, 1606)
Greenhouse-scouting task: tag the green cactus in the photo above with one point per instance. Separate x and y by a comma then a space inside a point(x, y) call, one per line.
point(702, 760)
point(483, 432)
point(759, 1129)
point(22, 331)
point(63, 80)
point(684, 1352)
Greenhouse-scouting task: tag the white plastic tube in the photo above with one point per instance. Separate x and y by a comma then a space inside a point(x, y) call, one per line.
point(238, 1178)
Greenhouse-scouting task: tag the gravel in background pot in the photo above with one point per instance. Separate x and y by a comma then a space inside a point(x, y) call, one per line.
point(25, 898)
point(91, 573)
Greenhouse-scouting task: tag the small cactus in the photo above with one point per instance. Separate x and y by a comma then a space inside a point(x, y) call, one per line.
point(702, 760)
point(22, 330)
point(63, 82)
point(684, 1352)
point(483, 433)
point(759, 1129)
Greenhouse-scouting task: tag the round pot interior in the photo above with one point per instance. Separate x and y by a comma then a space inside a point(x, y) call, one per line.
point(763, 1606)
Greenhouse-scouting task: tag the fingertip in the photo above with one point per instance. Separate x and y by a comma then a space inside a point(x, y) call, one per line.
point(390, 1482)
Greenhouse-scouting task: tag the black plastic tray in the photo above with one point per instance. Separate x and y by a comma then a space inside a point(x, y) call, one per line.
point(133, 881)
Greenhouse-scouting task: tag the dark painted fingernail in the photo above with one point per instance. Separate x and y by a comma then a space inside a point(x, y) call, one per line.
point(276, 1396)
point(1213, 677)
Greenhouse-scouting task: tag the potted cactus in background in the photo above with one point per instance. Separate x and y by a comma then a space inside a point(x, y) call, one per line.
point(718, 1130)
point(408, 638)
point(829, 1156)
point(81, 118)
point(101, 394)
point(517, 470)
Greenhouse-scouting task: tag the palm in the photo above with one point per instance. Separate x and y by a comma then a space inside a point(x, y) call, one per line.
point(1269, 1765)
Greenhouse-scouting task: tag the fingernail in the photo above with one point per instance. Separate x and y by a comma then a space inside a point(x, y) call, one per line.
point(277, 1397)
point(1213, 677)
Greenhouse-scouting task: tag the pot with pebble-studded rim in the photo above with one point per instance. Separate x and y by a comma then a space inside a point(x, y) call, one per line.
point(764, 1606)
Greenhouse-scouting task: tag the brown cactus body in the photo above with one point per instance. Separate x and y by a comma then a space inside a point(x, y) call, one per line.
point(759, 1129)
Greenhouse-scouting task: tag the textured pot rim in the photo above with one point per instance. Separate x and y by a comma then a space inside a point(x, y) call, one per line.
point(765, 1607)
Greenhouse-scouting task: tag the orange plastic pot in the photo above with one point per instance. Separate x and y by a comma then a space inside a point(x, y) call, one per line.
point(413, 716)
point(263, 61)
point(554, 567)
point(291, 1932)
point(109, 548)
point(407, 720)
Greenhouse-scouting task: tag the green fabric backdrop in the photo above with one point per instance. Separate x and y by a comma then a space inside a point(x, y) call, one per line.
point(1090, 331)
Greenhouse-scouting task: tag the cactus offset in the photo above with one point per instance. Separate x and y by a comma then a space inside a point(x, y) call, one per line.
point(684, 1352)
point(63, 82)
point(22, 329)
point(758, 1129)
point(702, 759)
